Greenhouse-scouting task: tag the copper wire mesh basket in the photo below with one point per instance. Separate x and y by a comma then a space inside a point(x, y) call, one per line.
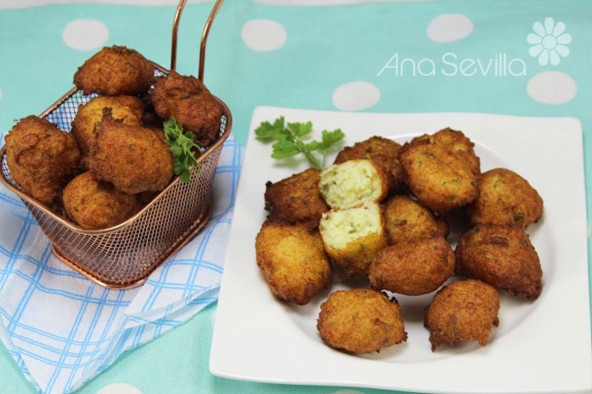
point(123, 256)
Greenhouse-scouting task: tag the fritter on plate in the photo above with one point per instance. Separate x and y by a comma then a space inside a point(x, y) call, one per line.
point(96, 205)
point(353, 236)
point(292, 261)
point(41, 157)
point(505, 198)
point(412, 267)
point(405, 219)
point(360, 321)
point(128, 109)
point(192, 105)
point(115, 71)
point(441, 170)
point(382, 151)
point(133, 158)
point(462, 311)
point(501, 256)
point(296, 199)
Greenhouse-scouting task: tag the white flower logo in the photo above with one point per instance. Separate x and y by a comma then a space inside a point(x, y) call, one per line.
point(549, 42)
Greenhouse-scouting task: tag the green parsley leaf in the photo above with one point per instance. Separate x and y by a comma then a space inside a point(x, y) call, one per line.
point(182, 147)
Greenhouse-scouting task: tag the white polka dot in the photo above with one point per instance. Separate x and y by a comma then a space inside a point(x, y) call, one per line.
point(449, 27)
point(264, 35)
point(355, 96)
point(119, 388)
point(552, 87)
point(85, 34)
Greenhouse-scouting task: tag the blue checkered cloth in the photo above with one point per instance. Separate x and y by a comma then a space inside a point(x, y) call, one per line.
point(62, 329)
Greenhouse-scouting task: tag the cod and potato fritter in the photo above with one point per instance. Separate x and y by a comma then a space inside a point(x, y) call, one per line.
point(360, 321)
point(293, 261)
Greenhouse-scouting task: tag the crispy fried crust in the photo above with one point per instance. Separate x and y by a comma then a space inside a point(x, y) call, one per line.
point(95, 205)
point(360, 321)
point(505, 198)
point(133, 158)
point(462, 311)
point(412, 267)
point(115, 71)
point(41, 157)
point(501, 256)
point(191, 104)
point(296, 199)
point(292, 261)
point(441, 170)
point(382, 151)
point(406, 219)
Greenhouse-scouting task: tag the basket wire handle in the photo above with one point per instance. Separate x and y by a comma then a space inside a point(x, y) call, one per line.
point(204, 36)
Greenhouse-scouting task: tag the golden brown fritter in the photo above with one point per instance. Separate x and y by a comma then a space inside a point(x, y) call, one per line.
point(441, 169)
point(353, 236)
point(412, 267)
point(296, 199)
point(115, 71)
point(292, 261)
point(406, 219)
point(192, 105)
point(128, 109)
point(505, 198)
point(133, 158)
point(501, 256)
point(360, 321)
point(382, 151)
point(41, 157)
point(95, 205)
point(462, 311)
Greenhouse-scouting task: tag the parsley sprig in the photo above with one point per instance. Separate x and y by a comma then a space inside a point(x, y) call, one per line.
point(289, 140)
point(182, 147)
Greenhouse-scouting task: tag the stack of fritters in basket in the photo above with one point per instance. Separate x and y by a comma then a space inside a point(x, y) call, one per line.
point(116, 157)
point(381, 213)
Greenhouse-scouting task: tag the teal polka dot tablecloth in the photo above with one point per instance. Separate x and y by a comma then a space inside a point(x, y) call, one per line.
point(525, 57)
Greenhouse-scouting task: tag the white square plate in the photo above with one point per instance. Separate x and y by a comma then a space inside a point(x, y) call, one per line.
point(540, 346)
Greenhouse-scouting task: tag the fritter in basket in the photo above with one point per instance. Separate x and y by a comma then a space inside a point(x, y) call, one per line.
point(128, 109)
point(96, 205)
point(115, 71)
point(462, 311)
point(296, 199)
point(360, 321)
point(133, 158)
point(41, 157)
point(292, 261)
point(412, 267)
point(501, 256)
point(441, 170)
point(505, 198)
point(382, 151)
point(192, 105)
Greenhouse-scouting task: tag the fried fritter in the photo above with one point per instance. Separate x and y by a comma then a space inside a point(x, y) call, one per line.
point(462, 311)
point(353, 236)
point(115, 71)
point(441, 169)
point(406, 219)
point(412, 267)
point(352, 183)
point(133, 158)
point(382, 151)
point(501, 256)
point(128, 109)
point(95, 205)
point(41, 157)
point(505, 198)
point(292, 261)
point(360, 321)
point(192, 105)
point(296, 199)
